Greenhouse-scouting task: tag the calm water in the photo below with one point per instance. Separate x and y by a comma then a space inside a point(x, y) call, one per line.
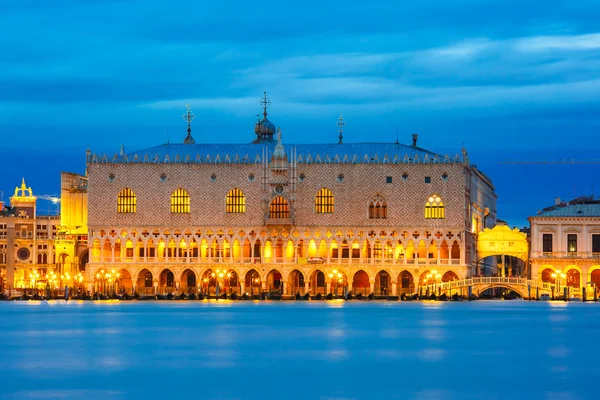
point(304, 350)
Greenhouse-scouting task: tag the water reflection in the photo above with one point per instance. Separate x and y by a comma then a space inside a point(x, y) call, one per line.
point(296, 350)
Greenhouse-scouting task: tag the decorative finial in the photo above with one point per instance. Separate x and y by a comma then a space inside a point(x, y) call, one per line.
point(278, 153)
point(265, 102)
point(341, 123)
point(122, 152)
point(189, 117)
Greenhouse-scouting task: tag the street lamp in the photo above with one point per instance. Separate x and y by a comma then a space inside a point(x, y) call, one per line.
point(35, 275)
point(557, 276)
point(432, 277)
point(79, 279)
point(339, 278)
point(255, 281)
point(205, 280)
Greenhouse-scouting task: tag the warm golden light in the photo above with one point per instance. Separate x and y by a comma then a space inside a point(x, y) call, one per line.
point(126, 201)
point(180, 201)
point(235, 201)
point(434, 208)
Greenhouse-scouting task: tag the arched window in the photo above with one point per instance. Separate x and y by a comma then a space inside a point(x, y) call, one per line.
point(378, 208)
point(434, 208)
point(324, 201)
point(126, 201)
point(180, 201)
point(235, 201)
point(279, 208)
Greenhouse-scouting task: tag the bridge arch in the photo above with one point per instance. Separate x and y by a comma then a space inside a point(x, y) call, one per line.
point(522, 291)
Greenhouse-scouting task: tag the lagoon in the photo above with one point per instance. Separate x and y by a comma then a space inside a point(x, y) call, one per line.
point(298, 350)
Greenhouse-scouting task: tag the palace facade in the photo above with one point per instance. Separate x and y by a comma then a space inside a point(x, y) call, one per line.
point(383, 218)
point(565, 245)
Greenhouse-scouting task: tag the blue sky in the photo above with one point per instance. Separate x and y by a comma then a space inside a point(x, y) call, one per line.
point(512, 80)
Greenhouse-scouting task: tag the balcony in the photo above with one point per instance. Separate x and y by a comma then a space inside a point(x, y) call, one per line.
point(569, 254)
point(278, 221)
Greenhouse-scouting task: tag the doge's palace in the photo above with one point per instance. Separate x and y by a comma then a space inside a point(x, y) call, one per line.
point(382, 218)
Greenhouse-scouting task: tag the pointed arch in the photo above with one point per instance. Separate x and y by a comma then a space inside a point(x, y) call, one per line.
point(235, 202)
point(126, 202)
point(449, 276)
point(180, 201)
point(406, 284)
point(324, 201)
point(378, 208)
point(434, 207)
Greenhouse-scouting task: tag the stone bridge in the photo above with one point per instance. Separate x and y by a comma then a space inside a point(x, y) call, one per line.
point(519, 285)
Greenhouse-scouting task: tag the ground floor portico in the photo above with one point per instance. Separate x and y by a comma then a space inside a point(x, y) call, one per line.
point(571, 273)
point(384, 280)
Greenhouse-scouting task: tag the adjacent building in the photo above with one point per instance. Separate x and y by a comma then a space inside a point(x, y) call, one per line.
point(35, 247)
point(565, 244)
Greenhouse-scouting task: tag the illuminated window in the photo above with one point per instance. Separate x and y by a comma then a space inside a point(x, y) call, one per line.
point(235, 201)
point(279, 208)
point(324, 202)
point(126, 201)
point(180, 201)
point(434, 208)
point(378, 208)
point(572, 243)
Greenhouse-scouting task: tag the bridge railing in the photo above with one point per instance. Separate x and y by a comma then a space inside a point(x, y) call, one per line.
point(495, 280)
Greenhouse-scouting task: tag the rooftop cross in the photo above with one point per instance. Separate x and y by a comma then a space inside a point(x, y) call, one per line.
point(341, 123)
point(189, 117)
point(265, 102)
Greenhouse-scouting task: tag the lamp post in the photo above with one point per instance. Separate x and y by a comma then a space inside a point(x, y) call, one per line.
point(221, 274)
point(205, 281)
point(557, 276)
point(35, 275)
point(255, 281)
point(79, 279)
point(338, 277)
point(432, 277)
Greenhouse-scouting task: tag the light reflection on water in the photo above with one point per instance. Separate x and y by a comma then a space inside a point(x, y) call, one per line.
point(289, 350)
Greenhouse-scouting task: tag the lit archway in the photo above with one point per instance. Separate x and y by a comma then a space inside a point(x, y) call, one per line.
point(406, 283)
point(547, 275)
point(124, 282)
point(253, 282)
point(449, 277)
point(166, 282)
point(296, 282)
point(274, 280)
point(361, 282)
point(383, 284)
point(573, 278)
point(145, 282)
point(188, 281)
point(318, 283)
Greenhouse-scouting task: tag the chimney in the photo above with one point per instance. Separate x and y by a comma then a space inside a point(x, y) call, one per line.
point(557, 201)
point(415, 136)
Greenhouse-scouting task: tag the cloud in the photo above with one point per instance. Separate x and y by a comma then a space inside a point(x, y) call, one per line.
point(554, 43)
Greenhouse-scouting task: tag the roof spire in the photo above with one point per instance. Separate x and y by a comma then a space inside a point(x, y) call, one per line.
point(341, 123)
point(189, 117)
point(265, 102)
point(279, 152)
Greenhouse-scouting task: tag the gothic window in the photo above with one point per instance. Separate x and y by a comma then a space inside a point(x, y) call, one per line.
point(279, 208)
point(324, 202)
point(434, 208)
point(126, 201)
point(235, 201)
point(180, 201)
point(378, 208)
